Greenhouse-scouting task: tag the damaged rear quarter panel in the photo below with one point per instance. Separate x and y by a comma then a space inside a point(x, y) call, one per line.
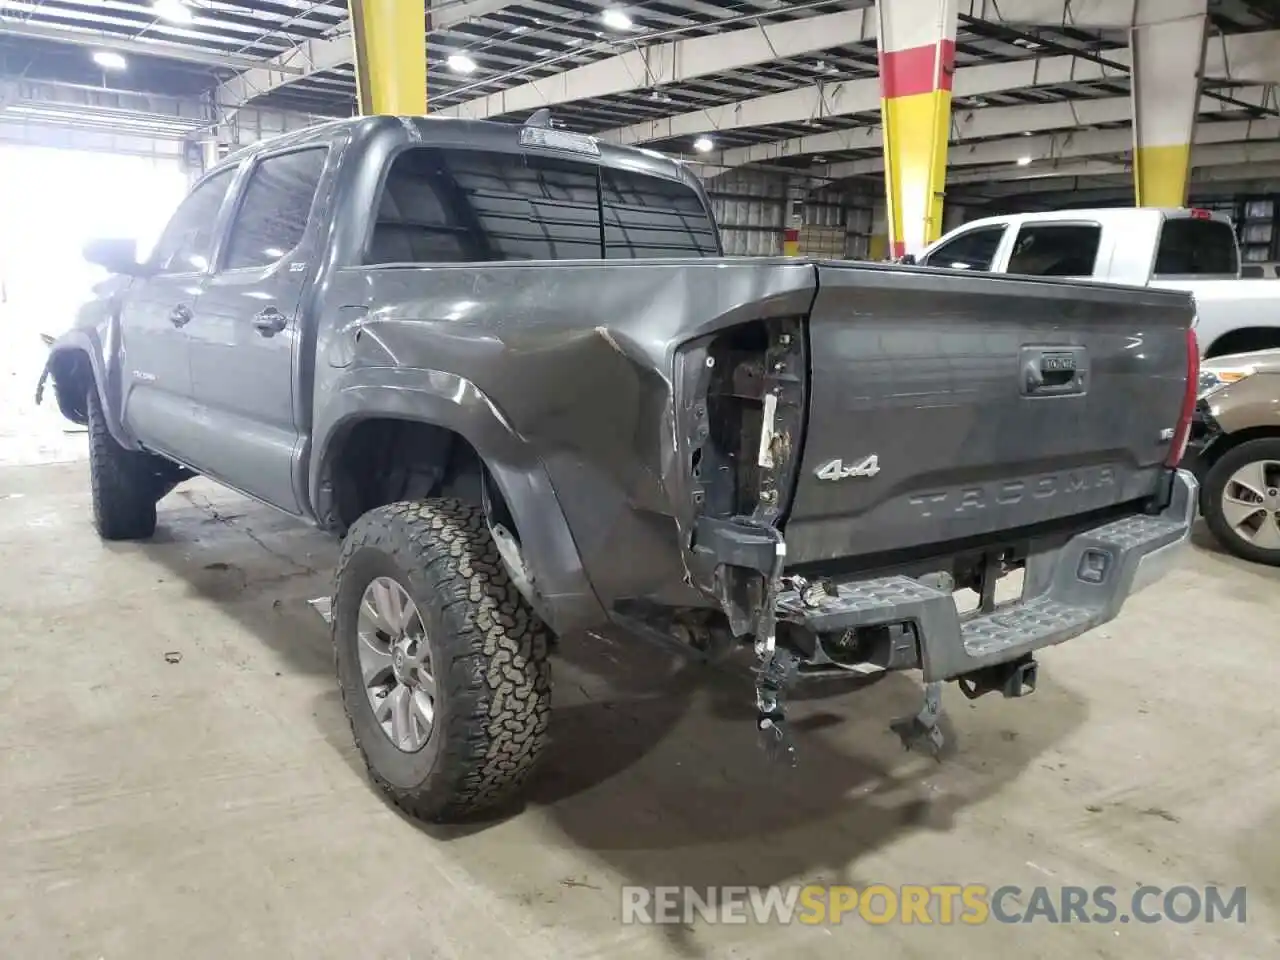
point(578, 360)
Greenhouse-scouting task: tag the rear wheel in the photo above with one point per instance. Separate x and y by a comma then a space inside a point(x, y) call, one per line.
point(442, 664)
point(125, 483)
point(1241, 500)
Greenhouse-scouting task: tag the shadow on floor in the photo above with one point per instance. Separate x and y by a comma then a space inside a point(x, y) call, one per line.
point(717, 786)
point(1203, 538)
point(661, 779)
point(654, 769)
point(256, 565)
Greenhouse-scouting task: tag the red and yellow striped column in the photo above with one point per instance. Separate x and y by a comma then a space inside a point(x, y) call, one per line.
point(1166, 44)
point(390, 38)
point(917, 40)
point(791, 242)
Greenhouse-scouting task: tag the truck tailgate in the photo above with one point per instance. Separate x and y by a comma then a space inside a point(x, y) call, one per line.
point(946, 407)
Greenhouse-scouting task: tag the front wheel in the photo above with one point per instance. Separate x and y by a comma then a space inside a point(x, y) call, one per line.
point(443, 667)
point(1241, 500)
point(124, 483)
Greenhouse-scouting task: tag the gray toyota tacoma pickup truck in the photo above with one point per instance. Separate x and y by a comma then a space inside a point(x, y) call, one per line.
point(511, 367)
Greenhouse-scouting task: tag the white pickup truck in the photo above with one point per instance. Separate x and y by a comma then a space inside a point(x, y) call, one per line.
point(1175, 249)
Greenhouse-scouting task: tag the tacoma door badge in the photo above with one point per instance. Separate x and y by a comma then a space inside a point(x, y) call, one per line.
point(837, 470)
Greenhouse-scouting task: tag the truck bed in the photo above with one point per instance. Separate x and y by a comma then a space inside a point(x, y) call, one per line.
point(643, 386)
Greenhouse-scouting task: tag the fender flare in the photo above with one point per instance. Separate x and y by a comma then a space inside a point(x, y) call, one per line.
point(88, 343)
point(566, 599)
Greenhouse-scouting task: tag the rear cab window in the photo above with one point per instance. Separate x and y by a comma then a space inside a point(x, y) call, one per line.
point(1055, 250)
point(444, 205)
point(647, 216)
point(1196, 247)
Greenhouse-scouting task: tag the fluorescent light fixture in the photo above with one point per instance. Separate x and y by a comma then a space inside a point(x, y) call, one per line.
point(1023, 161)
point(175, 11)
point(109, 60)
point(703, 144)
point(461, 63)
point(615, 19)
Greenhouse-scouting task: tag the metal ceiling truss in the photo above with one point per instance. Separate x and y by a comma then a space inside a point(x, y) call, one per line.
point(773, 83)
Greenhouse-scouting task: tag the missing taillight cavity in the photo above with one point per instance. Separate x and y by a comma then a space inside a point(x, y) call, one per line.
point(1182, 433)
point(750, 417)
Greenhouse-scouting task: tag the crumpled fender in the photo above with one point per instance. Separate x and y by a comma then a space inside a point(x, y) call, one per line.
point(567, 600)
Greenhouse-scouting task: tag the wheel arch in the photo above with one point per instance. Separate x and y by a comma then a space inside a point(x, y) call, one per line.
point(1227, 442)
point(76, 361)
point(1243, 340)
point(72, 370)
point(448, 438)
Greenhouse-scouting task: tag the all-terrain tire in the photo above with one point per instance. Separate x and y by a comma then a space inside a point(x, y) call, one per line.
point(124, 482)
point(489, 655)
point(1215, 484)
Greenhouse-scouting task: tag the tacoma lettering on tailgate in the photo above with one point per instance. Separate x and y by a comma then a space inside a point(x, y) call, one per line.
point(1006, 492)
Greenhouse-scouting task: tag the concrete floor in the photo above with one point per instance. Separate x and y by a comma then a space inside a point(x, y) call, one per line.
point(214, 806)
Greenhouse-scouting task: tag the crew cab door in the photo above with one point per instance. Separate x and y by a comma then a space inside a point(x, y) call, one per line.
point(154, 318)
point(245, 338)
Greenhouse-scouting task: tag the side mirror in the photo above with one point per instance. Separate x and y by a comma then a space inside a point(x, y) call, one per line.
point(116, 255)
point(908, 259)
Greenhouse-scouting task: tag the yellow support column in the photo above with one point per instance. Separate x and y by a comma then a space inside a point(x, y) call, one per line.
point(390, 39)
point(917, 40)
point(1166, 45)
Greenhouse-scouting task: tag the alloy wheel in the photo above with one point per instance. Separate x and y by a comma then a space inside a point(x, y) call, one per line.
point(395, 663)
point(1251, 503)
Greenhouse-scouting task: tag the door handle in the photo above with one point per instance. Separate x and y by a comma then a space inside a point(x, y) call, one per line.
point(270, 322)
point(180, 315)
point(1053, 372)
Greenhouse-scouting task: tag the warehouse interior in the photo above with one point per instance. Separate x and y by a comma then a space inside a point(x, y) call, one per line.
point(776, 103)
point(177, 773)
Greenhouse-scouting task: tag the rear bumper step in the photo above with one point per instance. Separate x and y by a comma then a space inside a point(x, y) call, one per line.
point(1067, 591)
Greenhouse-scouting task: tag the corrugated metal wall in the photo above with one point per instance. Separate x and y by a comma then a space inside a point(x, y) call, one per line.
point(845, 219)
point(751, 208)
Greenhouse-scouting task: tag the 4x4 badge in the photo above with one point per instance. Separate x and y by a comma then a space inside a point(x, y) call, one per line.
point(836, 470)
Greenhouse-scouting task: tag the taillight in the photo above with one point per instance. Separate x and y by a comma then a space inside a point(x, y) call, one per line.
point(1182, 433)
